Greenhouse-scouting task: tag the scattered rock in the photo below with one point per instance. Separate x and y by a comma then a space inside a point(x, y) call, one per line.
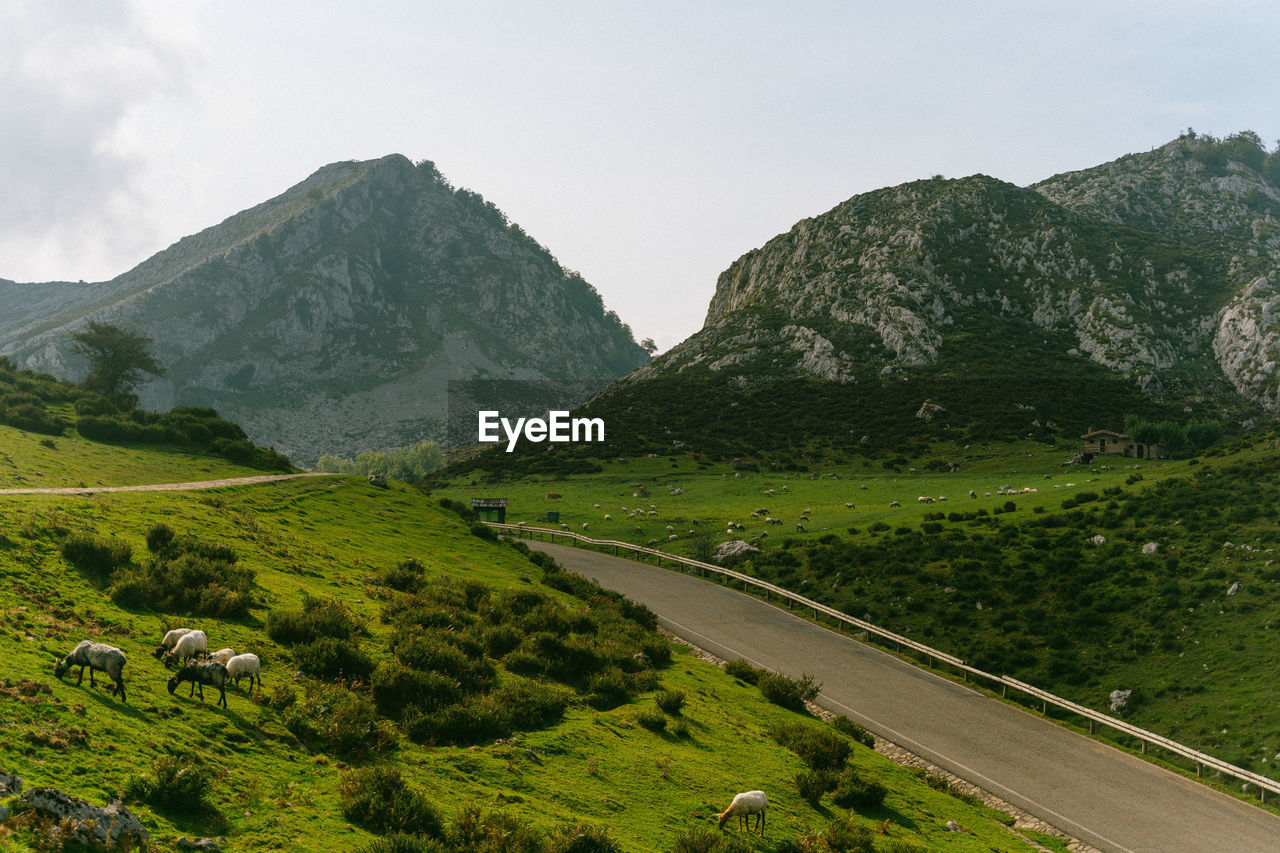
point(929, 410)
point(1099, 539)
point(1119, 700)
point(379, 480)
point(81, 822)
point(9, 784)
point(1150, 548)
point(1234, 588)
point(209, 845)
point(734, 548)
point(952, 826)
point(642, 659)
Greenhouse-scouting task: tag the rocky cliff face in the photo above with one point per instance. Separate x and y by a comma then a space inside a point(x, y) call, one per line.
point(332, 317)
point(1161, 267)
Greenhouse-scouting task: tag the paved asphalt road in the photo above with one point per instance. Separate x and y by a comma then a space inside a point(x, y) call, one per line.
point(1108, 798)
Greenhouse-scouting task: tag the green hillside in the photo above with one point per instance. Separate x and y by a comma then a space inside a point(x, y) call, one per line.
point(1013, 579)
point(535, 715)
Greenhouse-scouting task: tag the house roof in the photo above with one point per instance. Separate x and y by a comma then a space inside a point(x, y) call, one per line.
point(1098, 432)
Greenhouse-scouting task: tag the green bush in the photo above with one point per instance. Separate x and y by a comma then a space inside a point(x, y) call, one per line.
point(651, 720)
point(329, 657)
point(188, 584)
point(788, 692)
point(340, 722)
point(378, 799)
point(401, 843)
point(670, 701)
point(477, 831)
point(607, 689)
point(848, 727)
point(581, 838)
point(840, 835)
point(396, 687)
point(742, 671)
point(484, 531)
point(854, 792)
point(813, 784)
point(408, 576)
point(709, 841)
point(817, 747)
point(467, 723)
point(176, 784)
point(319, 617)
point(159, 537)
point(524, 705)
point(95, 555)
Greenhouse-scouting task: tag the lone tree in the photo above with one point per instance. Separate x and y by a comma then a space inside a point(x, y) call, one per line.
point(118, 359)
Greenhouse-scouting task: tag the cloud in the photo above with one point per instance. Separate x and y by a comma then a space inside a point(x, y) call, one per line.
point(71, 77)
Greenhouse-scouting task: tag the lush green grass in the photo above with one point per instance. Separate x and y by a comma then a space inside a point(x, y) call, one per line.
point(327, 538)
point(1021, 592)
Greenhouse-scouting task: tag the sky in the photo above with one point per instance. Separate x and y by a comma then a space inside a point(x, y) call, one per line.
point(647, 145)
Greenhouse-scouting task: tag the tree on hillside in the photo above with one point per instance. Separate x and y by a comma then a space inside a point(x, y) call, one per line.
point(118, 359)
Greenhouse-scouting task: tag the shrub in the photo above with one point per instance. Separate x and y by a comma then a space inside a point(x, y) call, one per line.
point(329, 657)
point(840, 835)
point(402, 843)
point(408, 576)
point(341, 722)
point(501, 639)
point(651, 720)
point(159, 537)
point(848, 727)
point(477, 831)
point(176, 784)
point(742, 671)
point(710, 841)
point(607, 689)
point(319, 617)
point(854, 792)
point(466, 723)
point(581, 838)
point(524, 704)
point(378, 799)
point(819, 748)
point(189, 584)
point(95, 555)
point(788, 692)
point(812, 784)
point(397, 687)
point(484, 531)
point(670, 701)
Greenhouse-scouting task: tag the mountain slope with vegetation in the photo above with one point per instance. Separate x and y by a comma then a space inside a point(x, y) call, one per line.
point(974, 310)
point(332, 317)
point(418, 676)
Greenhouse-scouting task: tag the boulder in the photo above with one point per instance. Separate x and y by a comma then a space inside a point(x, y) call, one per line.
point(79, 821)
point(207, 845)
point(1119, 700)
point(9, 784)
point(734, 548)
point(379, 480)
point(1099, 539)
point(1150, 548)
point(1234, 588)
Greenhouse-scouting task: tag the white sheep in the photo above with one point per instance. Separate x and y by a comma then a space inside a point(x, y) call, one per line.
point(170, 640)
point(608, 517)
point(243, 665)
point(109, 659)
point(188, 646)
point(584, 525)
point(223, 655)
point(744, 805)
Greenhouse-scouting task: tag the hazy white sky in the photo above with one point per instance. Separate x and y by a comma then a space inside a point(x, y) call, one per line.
point(647, 145)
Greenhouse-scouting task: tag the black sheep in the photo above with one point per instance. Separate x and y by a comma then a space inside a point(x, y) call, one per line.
point(200, 673)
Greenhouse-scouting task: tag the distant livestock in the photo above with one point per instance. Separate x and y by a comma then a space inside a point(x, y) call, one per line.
point(200, 673)
point(188, 646)
point(743, 806)
point(551, 496)
point(584, 525)
point(93, 655)
point(894, 503)
point(170, 640)
point(245, 665)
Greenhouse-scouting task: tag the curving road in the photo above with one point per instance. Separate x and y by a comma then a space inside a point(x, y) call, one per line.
point(1103, 796)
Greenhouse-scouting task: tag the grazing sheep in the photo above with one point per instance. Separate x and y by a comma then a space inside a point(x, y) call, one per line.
point(608, 517)
point(673, 537)
point(972, 493)
point(243, 665)
point(894, 503)
point(670, 529)
point(188, 646)
point(200, 673)
point(848, 505)
point(109, 659)
point(564, 526)
point(170, 640)
point(223, 655)
point(924, 499)
point(744, 805)
point(595, 506)
point(584, 525)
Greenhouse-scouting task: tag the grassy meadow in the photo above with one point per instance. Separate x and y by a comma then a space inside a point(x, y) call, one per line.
point(272, 763)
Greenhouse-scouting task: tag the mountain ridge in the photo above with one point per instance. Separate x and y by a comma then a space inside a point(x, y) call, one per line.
point(332, 317)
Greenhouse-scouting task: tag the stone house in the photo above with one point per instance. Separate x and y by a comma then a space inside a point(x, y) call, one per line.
point(1097, 441)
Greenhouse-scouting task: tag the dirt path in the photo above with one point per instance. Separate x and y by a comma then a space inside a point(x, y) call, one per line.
point(165, 487)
